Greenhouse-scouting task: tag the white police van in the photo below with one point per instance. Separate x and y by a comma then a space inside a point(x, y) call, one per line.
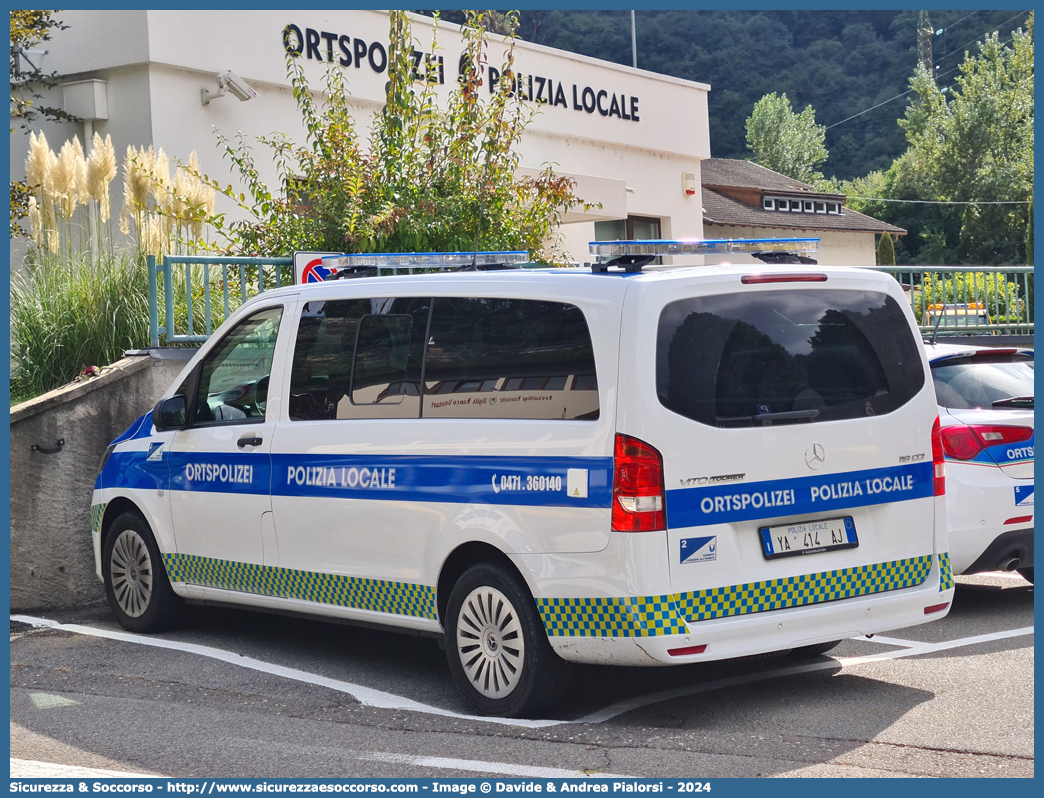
point(601, 465)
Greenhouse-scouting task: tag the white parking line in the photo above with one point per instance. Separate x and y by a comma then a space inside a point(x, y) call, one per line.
point(497, 768)
point(930, 648)
point(364, 695)
point(886, 641)
point(917, 649)
point(1000, 574)
point(30, 769)
point(382, 700)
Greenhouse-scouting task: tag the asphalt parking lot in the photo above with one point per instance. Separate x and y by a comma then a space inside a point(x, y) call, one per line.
point(241, 694)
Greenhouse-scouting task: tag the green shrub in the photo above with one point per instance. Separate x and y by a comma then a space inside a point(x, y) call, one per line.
point(74, 313)
point(426, 178)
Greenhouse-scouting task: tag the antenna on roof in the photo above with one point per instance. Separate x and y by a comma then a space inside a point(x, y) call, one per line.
point(935, 328)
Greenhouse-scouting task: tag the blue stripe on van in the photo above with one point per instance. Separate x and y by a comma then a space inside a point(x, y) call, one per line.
point(479, 480)
point(720, 504)
point(529, 481)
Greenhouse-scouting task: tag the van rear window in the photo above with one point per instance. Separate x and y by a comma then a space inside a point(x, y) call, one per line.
point(786, 357)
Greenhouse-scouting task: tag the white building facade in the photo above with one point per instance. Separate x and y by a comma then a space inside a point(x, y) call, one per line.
point(633, 140)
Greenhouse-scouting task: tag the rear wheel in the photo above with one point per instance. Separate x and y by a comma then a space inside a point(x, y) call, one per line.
point(497, 648)
point(136, 583)
point(816, 649)
point(1027, 574)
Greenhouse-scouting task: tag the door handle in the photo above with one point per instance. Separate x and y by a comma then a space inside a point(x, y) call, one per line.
point(248, 441)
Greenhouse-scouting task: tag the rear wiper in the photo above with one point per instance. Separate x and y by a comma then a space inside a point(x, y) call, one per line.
point(1021, 401)
point(787, 415)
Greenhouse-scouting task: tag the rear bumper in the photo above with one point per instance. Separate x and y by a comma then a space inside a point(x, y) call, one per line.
point(660, 626)
point(1016, 544)
point(980, 501)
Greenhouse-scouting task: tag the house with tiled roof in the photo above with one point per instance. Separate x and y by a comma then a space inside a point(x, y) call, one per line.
point(744, 200)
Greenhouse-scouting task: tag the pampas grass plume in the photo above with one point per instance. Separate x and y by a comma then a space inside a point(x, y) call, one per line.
point(101, 169)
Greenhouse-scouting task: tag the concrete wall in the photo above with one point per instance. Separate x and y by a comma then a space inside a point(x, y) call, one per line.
point(52, 563)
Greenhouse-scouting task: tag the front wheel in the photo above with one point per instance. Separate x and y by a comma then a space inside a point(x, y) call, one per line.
point(497, 648)
point(136, 583)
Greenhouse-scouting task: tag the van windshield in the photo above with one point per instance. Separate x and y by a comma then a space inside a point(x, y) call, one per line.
point(792, 356)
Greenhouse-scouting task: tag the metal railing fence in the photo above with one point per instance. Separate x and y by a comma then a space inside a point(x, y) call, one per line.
point(248, 280)
point(1003, 293)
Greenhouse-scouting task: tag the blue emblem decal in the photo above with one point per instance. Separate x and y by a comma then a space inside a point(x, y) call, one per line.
point(699, 549)
point(1023, 495)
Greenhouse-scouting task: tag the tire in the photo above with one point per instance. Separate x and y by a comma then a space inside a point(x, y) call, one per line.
point(497, 648)
point(816, 649)
point(136, 583)
point(1027, 574)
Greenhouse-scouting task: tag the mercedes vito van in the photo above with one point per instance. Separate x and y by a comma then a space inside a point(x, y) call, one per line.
point(593, 465)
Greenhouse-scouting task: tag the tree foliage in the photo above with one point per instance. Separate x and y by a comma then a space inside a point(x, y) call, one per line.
point(841, 62)
point(426, 178)
point(788, 143)
point(972, 143)
point(885, 251)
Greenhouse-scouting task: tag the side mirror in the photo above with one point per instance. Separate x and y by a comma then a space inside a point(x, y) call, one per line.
point(170, 413)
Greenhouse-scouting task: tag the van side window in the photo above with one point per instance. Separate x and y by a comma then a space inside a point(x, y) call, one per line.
point(509, 358)
point(358, 358)
point(233, 383)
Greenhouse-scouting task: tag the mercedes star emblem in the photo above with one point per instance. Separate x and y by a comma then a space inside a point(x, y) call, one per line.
point(815, 456)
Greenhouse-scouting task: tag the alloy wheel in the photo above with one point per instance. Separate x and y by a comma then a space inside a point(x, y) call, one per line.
point(130, 568)
point(490, 643)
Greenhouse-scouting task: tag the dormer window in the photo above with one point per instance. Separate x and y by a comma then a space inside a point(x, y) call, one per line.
point(800, 205)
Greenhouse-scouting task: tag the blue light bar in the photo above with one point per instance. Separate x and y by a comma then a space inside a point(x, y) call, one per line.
point(423, 260)
point(712, 246)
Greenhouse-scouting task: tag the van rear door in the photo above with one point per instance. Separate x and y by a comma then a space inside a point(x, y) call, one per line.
point(794, 419)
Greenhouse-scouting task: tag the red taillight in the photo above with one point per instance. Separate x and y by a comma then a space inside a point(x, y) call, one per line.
point(961, 443)
point(638, 499)
point(964, 442)
point(993, 435)
point(758, 279)
point(938, 462)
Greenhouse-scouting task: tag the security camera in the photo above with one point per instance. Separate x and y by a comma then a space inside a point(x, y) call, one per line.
point(238, 87)
point(228, 82)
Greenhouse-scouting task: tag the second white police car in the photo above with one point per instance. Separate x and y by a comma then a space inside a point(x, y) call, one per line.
point(598, 465)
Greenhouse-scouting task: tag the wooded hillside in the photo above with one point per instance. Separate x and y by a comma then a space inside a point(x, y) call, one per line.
point(840, 62)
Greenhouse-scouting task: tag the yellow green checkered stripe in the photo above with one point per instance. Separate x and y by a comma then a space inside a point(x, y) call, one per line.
point(662, 615)
point(97, 513)
point(945, 573)
point(611, 617)
point(398, 598)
